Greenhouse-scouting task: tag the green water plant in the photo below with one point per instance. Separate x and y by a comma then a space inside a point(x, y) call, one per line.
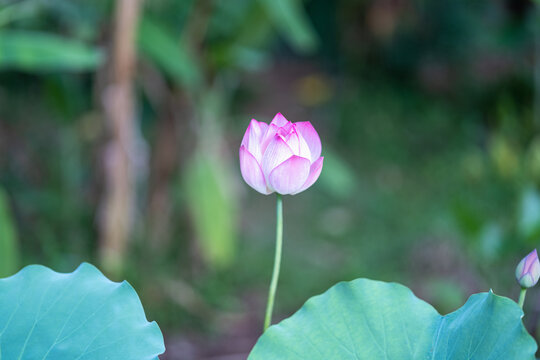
point(367, 319)
point(76, 316)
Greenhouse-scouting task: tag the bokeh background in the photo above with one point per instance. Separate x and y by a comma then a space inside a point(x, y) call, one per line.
point(120, 123)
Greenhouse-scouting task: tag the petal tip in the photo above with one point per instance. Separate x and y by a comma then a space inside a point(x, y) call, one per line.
point(279, 120)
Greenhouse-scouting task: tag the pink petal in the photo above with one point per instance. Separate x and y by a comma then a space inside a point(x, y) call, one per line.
point(290, 175)
point(291, 138)
point(530, 259)
point(298, 145)
point(271, 131)
point(277, 152)
point(314, 173)
point(252, 172)
point(253, 138)
point(308, 132)
point(279, 120)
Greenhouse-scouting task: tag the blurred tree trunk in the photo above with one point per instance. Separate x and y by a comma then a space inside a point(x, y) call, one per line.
point(118, 101)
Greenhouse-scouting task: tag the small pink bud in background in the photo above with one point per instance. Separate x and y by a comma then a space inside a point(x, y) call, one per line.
point(282, 157)
point(528, 270)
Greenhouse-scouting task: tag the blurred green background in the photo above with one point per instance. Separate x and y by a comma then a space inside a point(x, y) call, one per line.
point(120, 123)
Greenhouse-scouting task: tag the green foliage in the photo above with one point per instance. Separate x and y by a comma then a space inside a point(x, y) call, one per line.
point(9, 251)
point(16, 11)
point(241, 32)
point(81, 315)
point(529, 214)
point(242, 35)
point(289, 17)
point(212, 208)
point(366, 319)
point(38, 52)
point(338, 177)
point(168, 53)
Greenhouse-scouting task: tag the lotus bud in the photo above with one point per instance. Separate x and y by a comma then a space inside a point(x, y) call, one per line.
point(528, 270)
point(282, 156)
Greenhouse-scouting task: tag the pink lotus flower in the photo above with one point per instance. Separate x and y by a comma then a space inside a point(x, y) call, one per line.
point(528, 270)
point(284, 157)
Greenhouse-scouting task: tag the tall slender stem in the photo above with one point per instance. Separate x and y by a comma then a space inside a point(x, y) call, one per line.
point(522, 297)
point(536, 67)
point(277, 262)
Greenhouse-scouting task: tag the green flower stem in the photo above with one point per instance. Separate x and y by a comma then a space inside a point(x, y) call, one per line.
point(522, 297)
point(277, 262)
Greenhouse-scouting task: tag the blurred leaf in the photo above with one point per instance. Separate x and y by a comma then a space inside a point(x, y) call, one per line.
point(80, 315)
point(337, 176)
point(490, 240)
point(82, 18)
point(213, 209)
point(169, 54)
point(468, 219)
point(9, 253)
point(16, 11)
point(242, 34)
point(245, 58)
point(290, 18)
point(37, 51)
point(231, 15)
point(533, 159)
point(504, 156)
point(473, 165)
point(529, 214)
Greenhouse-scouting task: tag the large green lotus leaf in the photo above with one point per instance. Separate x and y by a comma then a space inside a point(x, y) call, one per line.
point(371, 320)
point(77, 316)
